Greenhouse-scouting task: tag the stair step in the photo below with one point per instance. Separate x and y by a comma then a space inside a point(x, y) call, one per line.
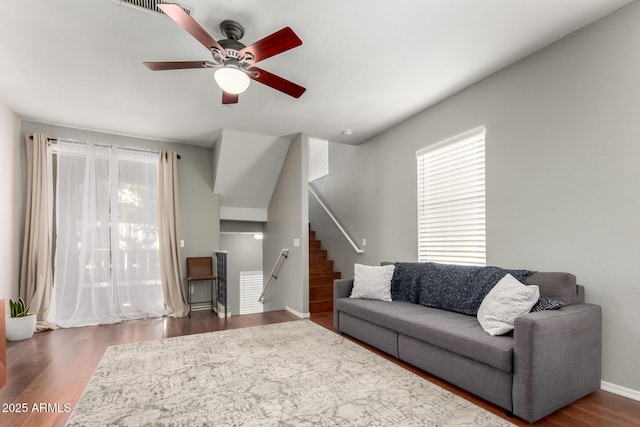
point(320, 276)
point(321, 263)
point(317, 254)
point(322, 266)
point(320, 294)
point(320, 282)
point(314, 244)
point(321, 270)
point(322, 279)
point(312, 235)
point(320, 307)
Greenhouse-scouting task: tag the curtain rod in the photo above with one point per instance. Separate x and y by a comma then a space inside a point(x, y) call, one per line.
point(49, 139)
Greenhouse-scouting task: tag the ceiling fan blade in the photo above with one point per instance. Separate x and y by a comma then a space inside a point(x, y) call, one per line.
point(229, 98)
point(177, 65)
point(276, 43)
point(175, 12)
point(277, 82)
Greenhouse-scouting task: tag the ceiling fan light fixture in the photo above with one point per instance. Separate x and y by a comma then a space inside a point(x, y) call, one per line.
point(232, 79)
point(234, 61)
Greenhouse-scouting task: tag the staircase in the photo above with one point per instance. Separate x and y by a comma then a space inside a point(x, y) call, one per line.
point(321, 276)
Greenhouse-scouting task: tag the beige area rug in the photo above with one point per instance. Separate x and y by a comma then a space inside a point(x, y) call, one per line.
point(286, 374)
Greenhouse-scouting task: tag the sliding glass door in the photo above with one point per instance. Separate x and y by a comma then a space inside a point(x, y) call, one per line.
point(106, 264)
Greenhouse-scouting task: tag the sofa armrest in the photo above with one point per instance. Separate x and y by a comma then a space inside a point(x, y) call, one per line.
point(341, 289)
point(556, 360)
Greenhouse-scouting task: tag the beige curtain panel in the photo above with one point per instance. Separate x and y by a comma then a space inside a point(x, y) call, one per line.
point(36, 279)
point(170, 257)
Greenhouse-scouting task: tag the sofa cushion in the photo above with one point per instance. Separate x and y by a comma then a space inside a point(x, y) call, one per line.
point(451, 331)
point(459, 288)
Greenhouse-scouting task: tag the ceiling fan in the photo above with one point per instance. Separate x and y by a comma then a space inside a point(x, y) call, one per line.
point(234, 62)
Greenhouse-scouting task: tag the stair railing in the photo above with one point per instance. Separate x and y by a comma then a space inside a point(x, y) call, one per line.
point(284, 254)
point(335, 221)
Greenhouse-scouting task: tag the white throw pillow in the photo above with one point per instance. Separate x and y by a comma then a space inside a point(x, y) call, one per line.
point(507, 300)
point(372, 282)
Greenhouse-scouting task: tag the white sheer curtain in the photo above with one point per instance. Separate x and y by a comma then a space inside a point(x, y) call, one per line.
point(106, 266)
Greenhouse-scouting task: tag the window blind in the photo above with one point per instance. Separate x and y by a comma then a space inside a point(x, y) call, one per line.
point(451, 200)
point(250, 290)
point(318, 158)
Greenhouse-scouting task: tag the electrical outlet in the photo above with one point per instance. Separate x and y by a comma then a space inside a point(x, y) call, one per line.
point(296, 242)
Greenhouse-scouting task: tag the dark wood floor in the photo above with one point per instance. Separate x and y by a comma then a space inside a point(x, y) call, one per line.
point(53, 367)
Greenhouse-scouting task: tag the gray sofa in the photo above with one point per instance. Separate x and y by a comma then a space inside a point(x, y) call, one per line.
point(552, 359)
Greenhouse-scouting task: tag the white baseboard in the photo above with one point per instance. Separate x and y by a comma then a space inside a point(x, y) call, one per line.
point(619, 390)
point(297, 313)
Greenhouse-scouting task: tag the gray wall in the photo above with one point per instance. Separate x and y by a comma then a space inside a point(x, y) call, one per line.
point(12, 200)
point(563, 182)
point(244, 253)
point(289, 220)
point(199, 206)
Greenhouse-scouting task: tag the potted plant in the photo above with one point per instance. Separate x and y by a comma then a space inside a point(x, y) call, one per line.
point(20, 324)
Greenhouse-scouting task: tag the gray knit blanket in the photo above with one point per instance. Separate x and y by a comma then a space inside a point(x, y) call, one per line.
point(458, 288)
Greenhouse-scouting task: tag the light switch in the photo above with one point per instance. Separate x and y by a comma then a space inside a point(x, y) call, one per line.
point(296, 242)
point(364, 242)
point(182, 243)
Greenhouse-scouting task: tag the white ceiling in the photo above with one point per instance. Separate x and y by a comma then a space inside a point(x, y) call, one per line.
point(366, 65)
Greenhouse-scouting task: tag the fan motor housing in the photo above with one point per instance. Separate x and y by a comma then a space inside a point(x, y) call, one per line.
point(231, 45)
point(231, 29)
point(233, 32)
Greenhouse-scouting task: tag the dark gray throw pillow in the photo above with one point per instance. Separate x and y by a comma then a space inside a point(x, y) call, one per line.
point(545, 303)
